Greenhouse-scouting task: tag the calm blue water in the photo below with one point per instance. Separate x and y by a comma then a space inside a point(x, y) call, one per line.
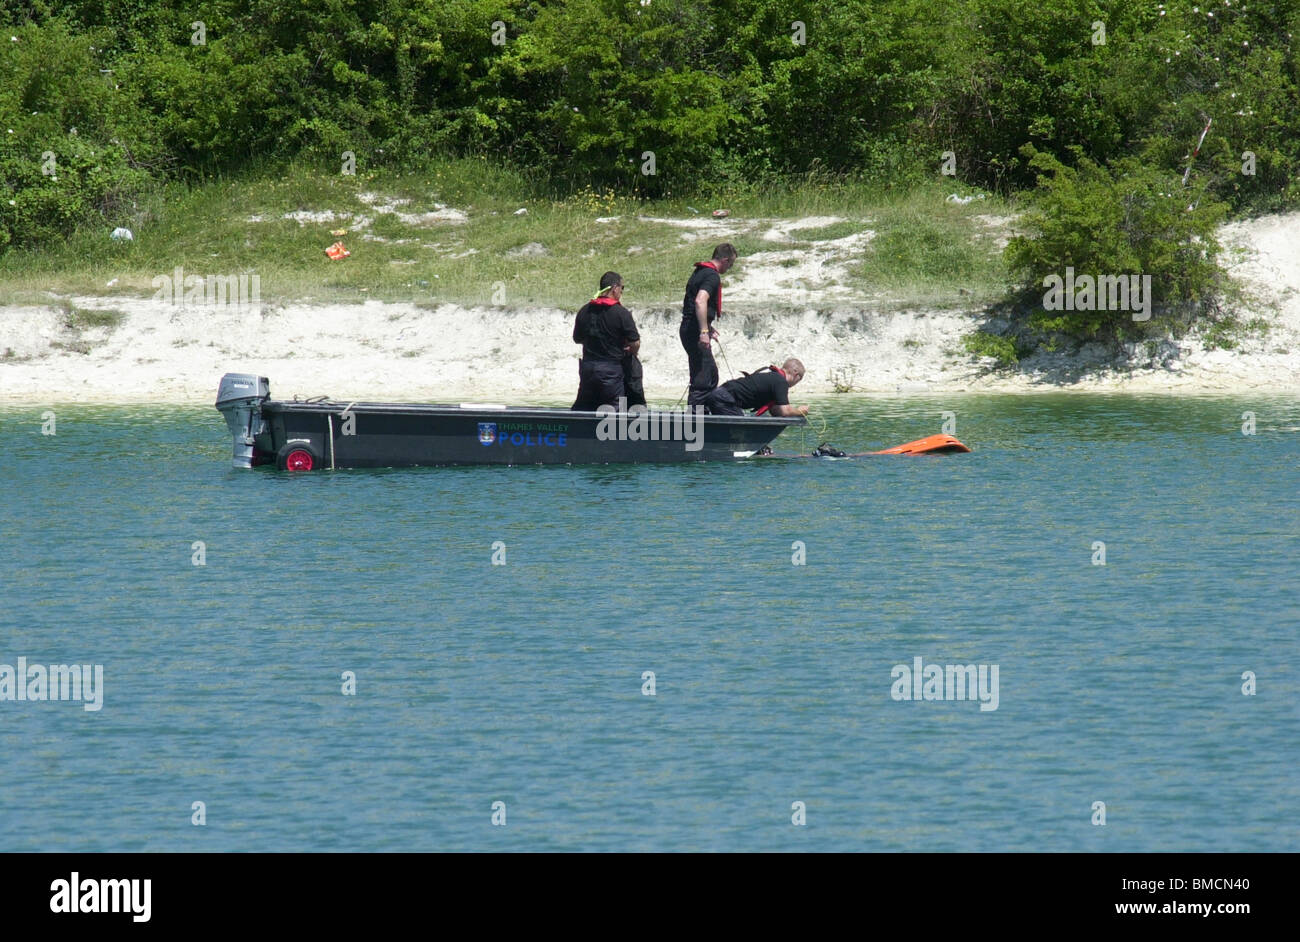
point(522, 683)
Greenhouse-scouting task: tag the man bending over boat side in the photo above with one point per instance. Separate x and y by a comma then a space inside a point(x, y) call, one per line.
point(765, 390)
point(608, 336)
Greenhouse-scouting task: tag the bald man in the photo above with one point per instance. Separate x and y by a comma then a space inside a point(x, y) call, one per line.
point(765, 390)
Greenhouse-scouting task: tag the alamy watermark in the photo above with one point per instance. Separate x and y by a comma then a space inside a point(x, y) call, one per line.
point(948, 682)
point(243, 292)
point(79, 894)
point(1103, 293)
point(84, 682)
point(641, 425)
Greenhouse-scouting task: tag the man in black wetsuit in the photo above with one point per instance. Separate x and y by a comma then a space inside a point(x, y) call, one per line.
point(700, 308)
point(764, 390)
point(608, 336)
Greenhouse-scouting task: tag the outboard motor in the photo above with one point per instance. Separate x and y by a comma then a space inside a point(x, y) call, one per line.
point(240, 397)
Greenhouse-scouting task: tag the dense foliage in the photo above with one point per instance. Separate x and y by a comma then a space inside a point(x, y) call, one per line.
point(1106, 222)
point(710, 94)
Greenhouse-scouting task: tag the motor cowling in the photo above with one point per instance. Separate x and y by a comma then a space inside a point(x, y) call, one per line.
point(239, 399)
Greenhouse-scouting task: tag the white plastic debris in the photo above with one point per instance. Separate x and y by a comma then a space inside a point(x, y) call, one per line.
point(122, 235)
point(521, 211)
point(963, 200)
point(111, 283)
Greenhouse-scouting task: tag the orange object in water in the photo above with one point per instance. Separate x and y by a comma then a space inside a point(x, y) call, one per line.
point(934, 444)
point(337, 251)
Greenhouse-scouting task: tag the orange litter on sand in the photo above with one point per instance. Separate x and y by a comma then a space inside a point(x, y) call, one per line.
point(337, 251)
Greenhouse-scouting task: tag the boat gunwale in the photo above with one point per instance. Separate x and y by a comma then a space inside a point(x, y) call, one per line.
point(522, 412)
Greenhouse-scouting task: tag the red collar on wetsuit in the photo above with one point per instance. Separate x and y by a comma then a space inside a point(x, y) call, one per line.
point(605, 300)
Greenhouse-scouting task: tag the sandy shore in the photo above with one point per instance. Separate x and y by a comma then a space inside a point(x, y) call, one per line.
point(167, 353)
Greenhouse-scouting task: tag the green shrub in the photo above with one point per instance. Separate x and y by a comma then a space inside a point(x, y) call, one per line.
point(73, 148)
point(1002, 349)
point(1234, 63)
point(592, 87)
point(1128, 219)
